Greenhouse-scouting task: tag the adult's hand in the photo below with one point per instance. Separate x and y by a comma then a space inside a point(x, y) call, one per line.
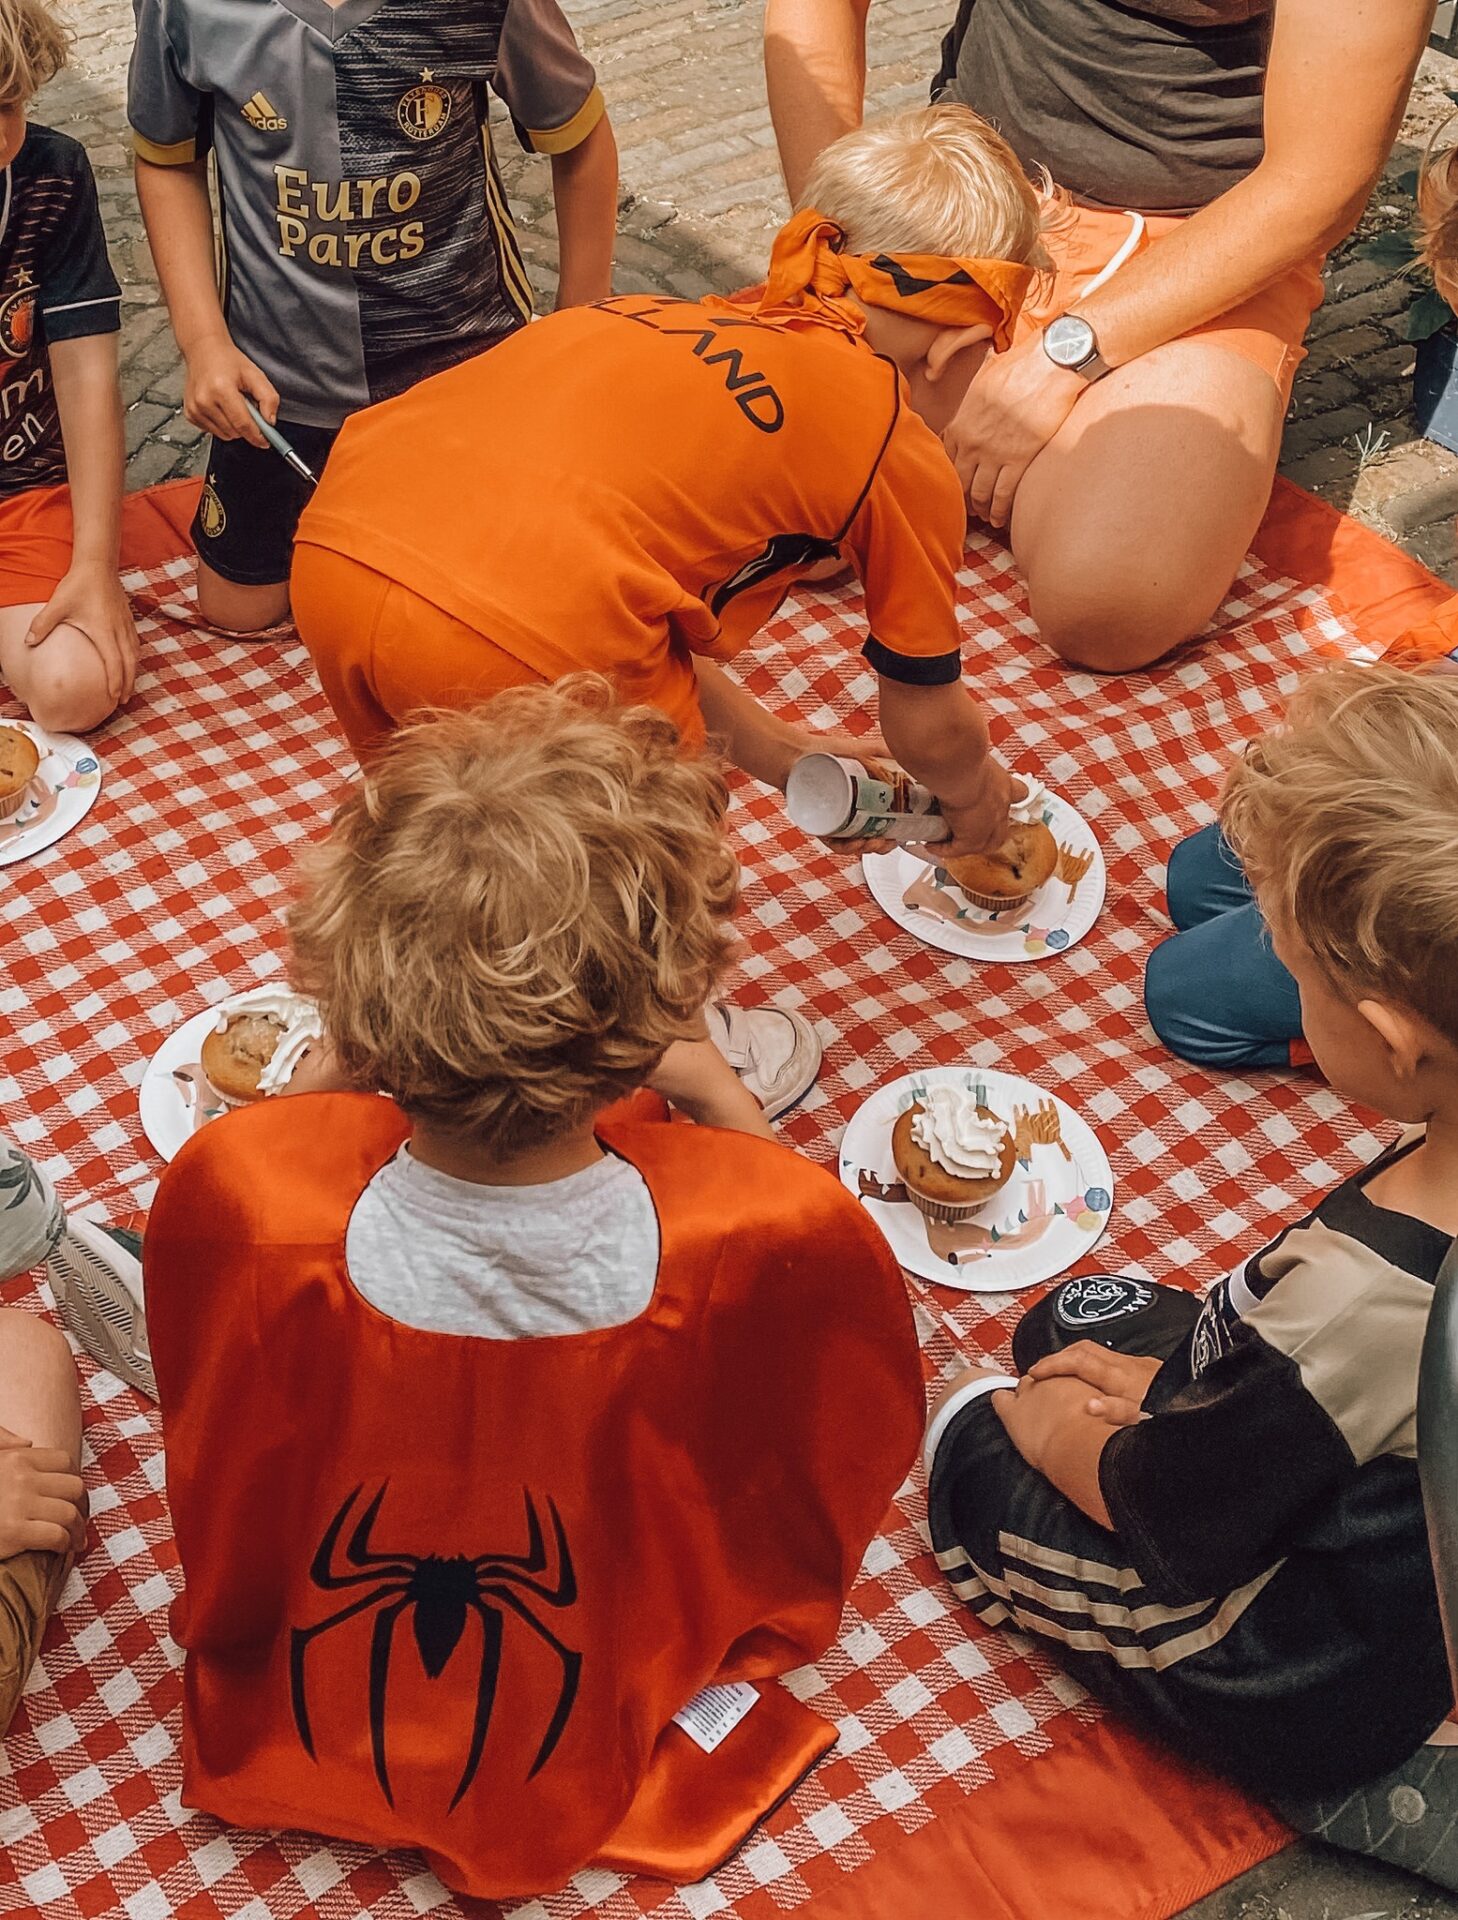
point(1013, 408)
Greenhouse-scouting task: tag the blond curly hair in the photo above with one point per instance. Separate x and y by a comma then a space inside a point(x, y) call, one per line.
point(1346, 821)
point(518, 911)
point(34, 46)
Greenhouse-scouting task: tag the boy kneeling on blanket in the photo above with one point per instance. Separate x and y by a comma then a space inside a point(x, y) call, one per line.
point(1213, 1510)
point(498, 1426)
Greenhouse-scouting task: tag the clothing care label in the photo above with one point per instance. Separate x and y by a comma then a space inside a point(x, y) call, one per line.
point(711, 1716)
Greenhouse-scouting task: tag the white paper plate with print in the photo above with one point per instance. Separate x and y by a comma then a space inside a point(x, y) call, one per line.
point(174, 1096)
point(927, 903)
point(1050, 1214)
point(61, 795)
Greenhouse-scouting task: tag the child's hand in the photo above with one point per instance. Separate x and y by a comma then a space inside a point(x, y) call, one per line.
point(42, 1499)
point(90, 598)
point(981, 824)
point(1118, 1381)
point(318, 1071)
point(218, 376)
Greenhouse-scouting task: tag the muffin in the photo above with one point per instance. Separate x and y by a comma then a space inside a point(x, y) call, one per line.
point(952, 1155)
point(1011, 875)
point(19, 761)
point(257, 1042)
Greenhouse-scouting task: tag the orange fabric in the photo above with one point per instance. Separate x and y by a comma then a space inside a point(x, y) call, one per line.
point(811, 276)
point(383, 651)
point(36, 532)
point(1387, 597)
point(1267, 329)
point(1105, 1826)
point(633, 1512)
point(660, 472)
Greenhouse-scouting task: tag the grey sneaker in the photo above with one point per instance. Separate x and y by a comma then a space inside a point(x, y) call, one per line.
point(97, 1280)
point(1409, 1817)
point(775, 1053)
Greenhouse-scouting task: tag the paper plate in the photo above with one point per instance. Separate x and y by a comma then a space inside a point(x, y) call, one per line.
point(1051, 1213)
point(927, 903)
point(174, 1097)
point(61, 795)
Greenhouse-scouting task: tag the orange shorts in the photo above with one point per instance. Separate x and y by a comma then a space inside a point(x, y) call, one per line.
point(1267, 329)
point(36, 535)
point(384, 652)
point(35, 545)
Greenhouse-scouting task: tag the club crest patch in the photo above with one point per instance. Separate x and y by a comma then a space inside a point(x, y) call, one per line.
point(211, 518)
point(17, 318)
point(423, 111)
point(1099, 1298)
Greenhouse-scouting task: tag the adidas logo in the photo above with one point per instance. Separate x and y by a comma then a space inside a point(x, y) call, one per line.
point(260, 112)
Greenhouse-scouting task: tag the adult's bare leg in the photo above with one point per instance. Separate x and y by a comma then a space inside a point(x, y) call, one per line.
point(1130, 525)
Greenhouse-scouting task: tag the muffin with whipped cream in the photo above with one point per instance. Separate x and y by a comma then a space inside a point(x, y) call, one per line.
point(258, 1040)
point(1009, 876)
point(952, 1154)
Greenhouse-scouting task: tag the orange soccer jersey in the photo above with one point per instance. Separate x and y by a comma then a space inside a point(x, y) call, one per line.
point(620, 488)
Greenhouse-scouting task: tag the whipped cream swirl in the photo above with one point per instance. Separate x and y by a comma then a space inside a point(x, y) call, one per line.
point(299, 1018)
point(1030, 810)
point(951, 1130)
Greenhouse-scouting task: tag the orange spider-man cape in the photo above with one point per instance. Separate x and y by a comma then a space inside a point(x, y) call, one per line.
point(448, 1593)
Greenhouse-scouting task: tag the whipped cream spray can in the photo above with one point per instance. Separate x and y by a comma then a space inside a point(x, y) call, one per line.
point(838, 799)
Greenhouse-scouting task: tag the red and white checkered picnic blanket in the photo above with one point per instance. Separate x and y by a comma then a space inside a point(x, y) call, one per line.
point(168, 896)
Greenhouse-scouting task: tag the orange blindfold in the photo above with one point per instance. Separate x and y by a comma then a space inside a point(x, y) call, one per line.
point(810, 278)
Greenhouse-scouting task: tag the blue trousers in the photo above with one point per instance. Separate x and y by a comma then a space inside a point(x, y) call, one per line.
point(1215, 992)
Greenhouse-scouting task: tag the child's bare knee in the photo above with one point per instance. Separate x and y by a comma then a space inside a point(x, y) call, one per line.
point(34, 1346)
point(65, 685)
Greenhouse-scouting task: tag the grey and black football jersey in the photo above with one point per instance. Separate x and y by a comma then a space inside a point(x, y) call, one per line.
point(366, 236)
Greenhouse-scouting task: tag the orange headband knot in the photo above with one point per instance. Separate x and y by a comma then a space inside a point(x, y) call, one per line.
point(810, 275)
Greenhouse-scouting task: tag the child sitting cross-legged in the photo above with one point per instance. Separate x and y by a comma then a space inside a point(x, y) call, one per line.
point(499, 1424)
point(1213, 1509)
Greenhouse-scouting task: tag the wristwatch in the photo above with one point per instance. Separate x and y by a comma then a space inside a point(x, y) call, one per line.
point(1070, 342)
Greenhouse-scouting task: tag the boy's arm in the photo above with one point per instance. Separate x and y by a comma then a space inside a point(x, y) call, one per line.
point(906, 540)
point(551, 91)
point(585, 192)
point(88, 400)
point(696, 1078)
point(178, 213)
point(939, 735)
point(1061, 1421)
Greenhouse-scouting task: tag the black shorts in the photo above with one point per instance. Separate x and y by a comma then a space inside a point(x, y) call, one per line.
point(251, 502)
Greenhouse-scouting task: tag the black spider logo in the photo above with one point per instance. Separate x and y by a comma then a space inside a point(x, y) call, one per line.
point(442, 1590)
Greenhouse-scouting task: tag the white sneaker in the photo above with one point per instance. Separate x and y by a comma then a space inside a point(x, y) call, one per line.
point(98, 1287)
point(775, 1053)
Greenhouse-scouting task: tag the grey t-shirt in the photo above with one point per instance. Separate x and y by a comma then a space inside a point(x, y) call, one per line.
point(366, 236)
point(1157, 106)
point(505, 1263)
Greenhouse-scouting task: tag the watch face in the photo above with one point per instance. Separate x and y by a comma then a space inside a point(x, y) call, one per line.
point(1069, 342)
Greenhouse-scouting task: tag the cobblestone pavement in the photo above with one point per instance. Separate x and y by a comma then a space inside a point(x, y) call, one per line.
point(701, 197)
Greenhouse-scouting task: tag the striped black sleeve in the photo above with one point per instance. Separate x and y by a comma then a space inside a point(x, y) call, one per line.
point(1203, 1492)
